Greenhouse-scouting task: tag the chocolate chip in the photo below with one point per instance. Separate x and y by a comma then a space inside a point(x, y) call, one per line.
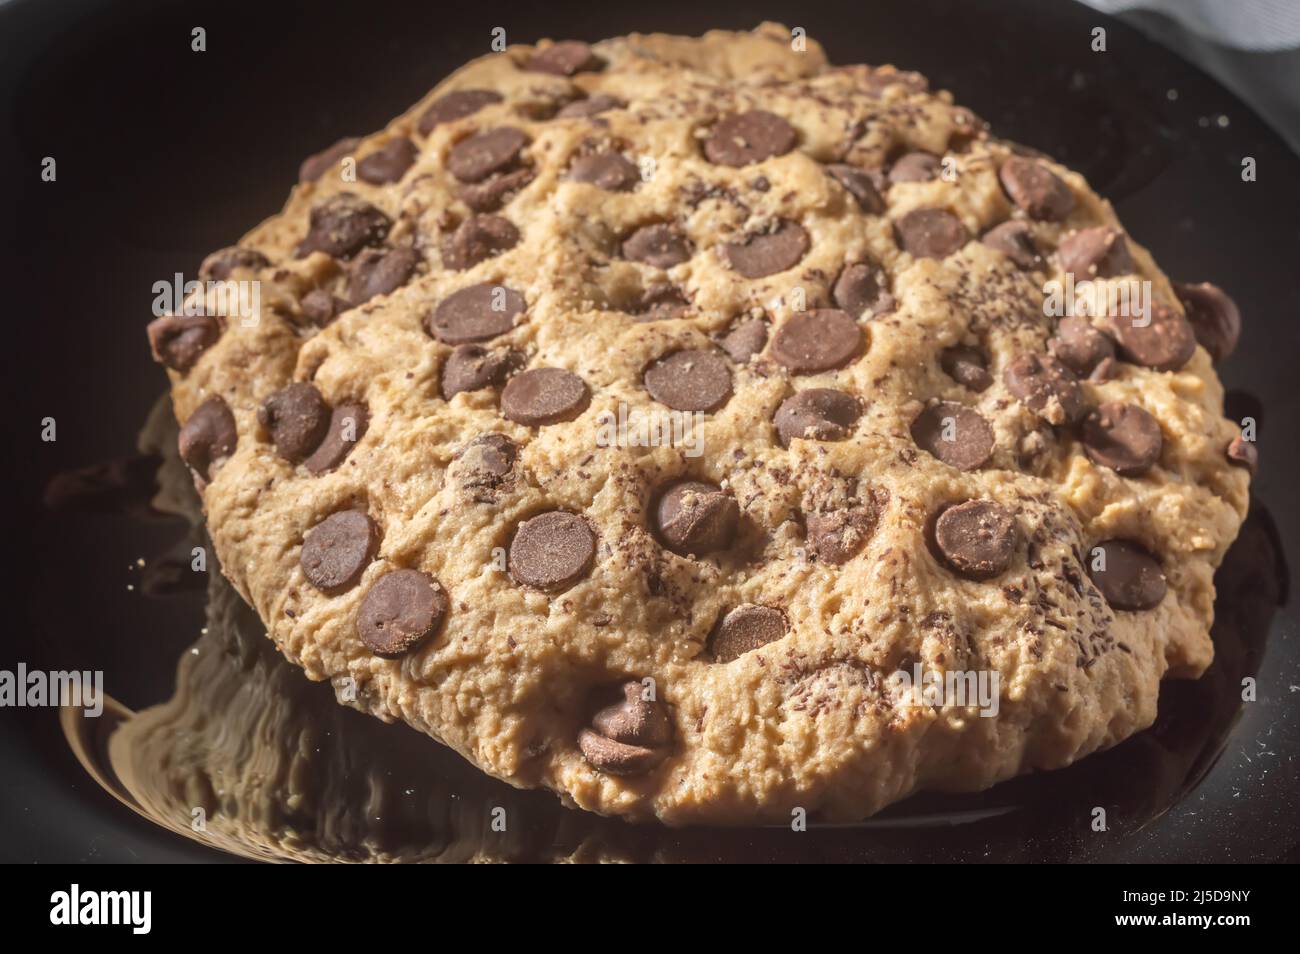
point(954, 434)
point(930, 233)
point(967, 366)
point(1165, 343)
point(221, 264)
point(342, 225)
point(400, 611)
point(690, 381)
point(388, 163)
point(320, 307)
point(610, 171)
point(633, 720)
point(490, 194)
point(315, 166)
point(477, 239)
point(564, 59)
point(745, 628)
point(476, 313)
point(484, 466)
point(1100, 252)
point(177, 341)
point(1045, 386)
point(1214, 317)
point(745, 340)
point(1244, 453)
point(768, 253)
point(1036, 189)
point(378, 272)
point(859, 185)
point(696, 518)
point(1079, 346)
point(1015, 240)
point(820, 414)
point(661, 302)
point(456, 105)
point(837, 536)
point(552, 551)
point(1123, 437)
point(659, 245)
point(476, 158)
point(915, 167)
point(297, 418)
point(749, 137)
point(472, 367)
point(859, 288)
point(1129, 577)
point(208, 436)
point(591, 106)
point(615, 758)
point(977, 539)
point(817, 340)
point(544, 396)
point(337, 551)
point(348, 423)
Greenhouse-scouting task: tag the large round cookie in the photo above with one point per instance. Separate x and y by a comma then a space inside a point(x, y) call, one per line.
point(413, 467)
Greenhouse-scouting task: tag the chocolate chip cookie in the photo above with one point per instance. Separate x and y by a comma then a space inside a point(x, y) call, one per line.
point(628, 416)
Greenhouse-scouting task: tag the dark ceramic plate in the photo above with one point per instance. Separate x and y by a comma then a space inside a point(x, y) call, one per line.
point(164, 154)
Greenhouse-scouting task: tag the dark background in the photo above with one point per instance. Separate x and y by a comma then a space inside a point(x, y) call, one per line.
point(165, 154)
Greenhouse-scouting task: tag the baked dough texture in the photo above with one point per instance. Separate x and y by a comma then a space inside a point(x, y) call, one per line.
point(817, 522)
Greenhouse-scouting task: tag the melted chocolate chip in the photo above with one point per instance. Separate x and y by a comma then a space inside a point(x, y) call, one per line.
point(745, 340)
point(483, 468)
point(208, 436)
point(1100, 252)
point(337, 551)
point(815, 341)
point(456, 105)
point(1165, 343)
point(552, 551)
point(476, 158)
point(377, 272)
point(315, 166)
point(400, 611)
point(749, 137)
point(348, 423)
point(930, 233)
point(661, 302)
point(768, 253)
point(616, 758)
point(544, 396)
point(490, 194)
point(473, 367)
point(342, 225)
point(297, 418)
point(633, 720)
point(690, 381)
point(1015, 240)
point(320, 307)
point(477, 239)
point(389, 163)
point(221, 264)
point(977, 539)
point(1045, 386)
point(696, 518)
point(178, 341)
point(1079, 346)
point(659, 245)
point(591, 106)
point(1214, 317)
point(967, 366)
point(859, 185)
point(475, 314)
point(860, 288)
point(954, 434)
point(610, 171)
point(1123, 437)
point(565, 58)
point(1036, 189)
point(836, 537)
point(1129, 577)
point(820, 414)
point(746, 628)
point(1243, 453)
point(915, 167)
